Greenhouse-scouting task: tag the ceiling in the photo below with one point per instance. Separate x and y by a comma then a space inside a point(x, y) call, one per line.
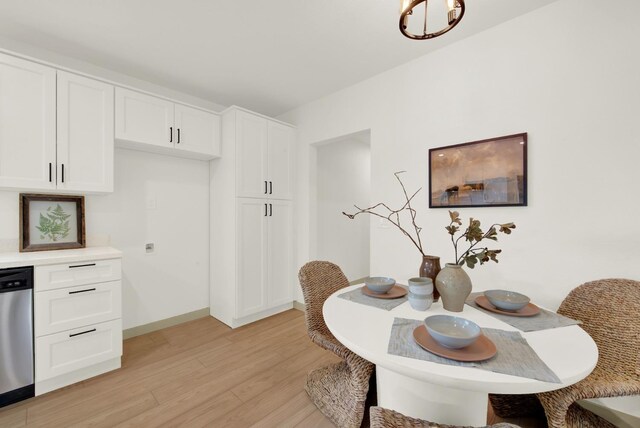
point(268, 56)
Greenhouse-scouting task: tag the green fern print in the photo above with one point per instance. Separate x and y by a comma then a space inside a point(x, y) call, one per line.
point(55, 224)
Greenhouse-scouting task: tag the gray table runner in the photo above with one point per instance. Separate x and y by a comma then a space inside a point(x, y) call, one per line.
point(514, 357)
point(359, 297)
point(542, 321)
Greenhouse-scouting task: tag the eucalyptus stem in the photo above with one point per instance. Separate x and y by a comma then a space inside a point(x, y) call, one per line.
point(474, 235)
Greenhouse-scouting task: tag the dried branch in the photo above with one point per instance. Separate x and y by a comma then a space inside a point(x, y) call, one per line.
point(394, 215)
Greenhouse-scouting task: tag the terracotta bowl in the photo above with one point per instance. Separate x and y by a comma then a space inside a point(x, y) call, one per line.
point(379, 284)
point(506, 300)
point(452, 332)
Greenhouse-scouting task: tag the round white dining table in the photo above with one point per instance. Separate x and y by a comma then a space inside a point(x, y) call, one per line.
point(445, 393)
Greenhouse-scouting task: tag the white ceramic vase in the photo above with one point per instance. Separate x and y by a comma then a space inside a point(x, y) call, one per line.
point(454, 286)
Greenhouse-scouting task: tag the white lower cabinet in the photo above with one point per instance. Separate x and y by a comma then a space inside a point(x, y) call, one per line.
point(72, 274)
point(262, 284)
point(69, 308)
point(252, 227)
point(279, 252)
point(61, 353)
point(77, 321)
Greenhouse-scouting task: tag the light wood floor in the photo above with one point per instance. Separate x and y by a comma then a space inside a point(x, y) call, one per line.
point(197, 374)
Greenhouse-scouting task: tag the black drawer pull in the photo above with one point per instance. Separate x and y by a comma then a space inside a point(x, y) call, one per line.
point(79, 266)
point(82, 291)
point(84, 332)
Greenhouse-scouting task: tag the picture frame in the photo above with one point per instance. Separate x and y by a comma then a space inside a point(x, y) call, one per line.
point(51, 222)
point(484, 173)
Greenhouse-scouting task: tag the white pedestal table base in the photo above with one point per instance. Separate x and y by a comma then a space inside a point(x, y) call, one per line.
point(431, 402)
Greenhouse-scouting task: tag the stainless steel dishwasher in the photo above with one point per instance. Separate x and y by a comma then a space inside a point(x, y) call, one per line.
point(16, 335)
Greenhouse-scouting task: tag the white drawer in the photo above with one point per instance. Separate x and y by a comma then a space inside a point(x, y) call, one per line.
point(68, 308)
point(61, 353)
point(71, 274)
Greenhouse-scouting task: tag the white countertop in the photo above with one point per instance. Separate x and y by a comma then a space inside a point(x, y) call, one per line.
point(40, 258)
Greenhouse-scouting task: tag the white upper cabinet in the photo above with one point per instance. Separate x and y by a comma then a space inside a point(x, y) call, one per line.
point(27, 124)
point(85, 134)
point(143, 119)
point(264, 150)
point(280, 164)
point(197, 131)
point(251, 152)
point(148, 123)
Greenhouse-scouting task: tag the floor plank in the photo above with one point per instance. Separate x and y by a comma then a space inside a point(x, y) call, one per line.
point(197, 374)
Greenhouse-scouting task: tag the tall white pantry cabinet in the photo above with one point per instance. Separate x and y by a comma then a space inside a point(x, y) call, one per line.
point(252, 219)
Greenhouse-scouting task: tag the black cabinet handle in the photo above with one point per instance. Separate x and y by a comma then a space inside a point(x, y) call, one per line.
point(265, 210)
point(84, 332)
point(270, 210)
point(82, 291)
point(79, 266)
point(271, 187)
point(50, 172)
point(171, 134)
point(63, 173)
point(178, 135)
point(265, 188)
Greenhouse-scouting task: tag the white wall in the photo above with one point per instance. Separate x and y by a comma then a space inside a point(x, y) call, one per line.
point(568, 75)
point(344, 179)
point(554, 73)
point(159, 199)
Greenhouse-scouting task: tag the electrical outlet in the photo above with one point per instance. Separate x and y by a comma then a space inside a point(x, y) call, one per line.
point(150, 247)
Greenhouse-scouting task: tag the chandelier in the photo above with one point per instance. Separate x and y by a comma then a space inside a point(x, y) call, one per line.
point(455, 12)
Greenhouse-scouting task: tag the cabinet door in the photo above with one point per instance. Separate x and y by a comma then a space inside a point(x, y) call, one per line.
point(27, 124)
point(197, 131)
point(280, 168)
point(60, 353)
point(251, 295)
point(144, 119)
point(69, 308)
point(279, 252)
point(85, 134)
point(251, 155)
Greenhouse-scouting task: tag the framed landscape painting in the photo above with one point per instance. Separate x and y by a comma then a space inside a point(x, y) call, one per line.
point(51, 222)
point(486, 173)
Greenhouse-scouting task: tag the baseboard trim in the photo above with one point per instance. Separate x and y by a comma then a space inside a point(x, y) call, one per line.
point(299, 306)
point(169, 322)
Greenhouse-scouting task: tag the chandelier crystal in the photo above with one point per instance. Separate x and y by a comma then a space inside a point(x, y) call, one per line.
point(409, 9)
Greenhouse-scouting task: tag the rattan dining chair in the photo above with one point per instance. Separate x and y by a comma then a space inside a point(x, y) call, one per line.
point(609, 311)
point(385, 418)
point(338, 390)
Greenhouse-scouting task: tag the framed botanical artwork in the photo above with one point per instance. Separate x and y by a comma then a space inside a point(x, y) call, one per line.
point(51, 222)
point(486, 173)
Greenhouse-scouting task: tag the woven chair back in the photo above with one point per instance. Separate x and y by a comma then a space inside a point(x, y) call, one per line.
point(610, 312)
point(319, 280)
